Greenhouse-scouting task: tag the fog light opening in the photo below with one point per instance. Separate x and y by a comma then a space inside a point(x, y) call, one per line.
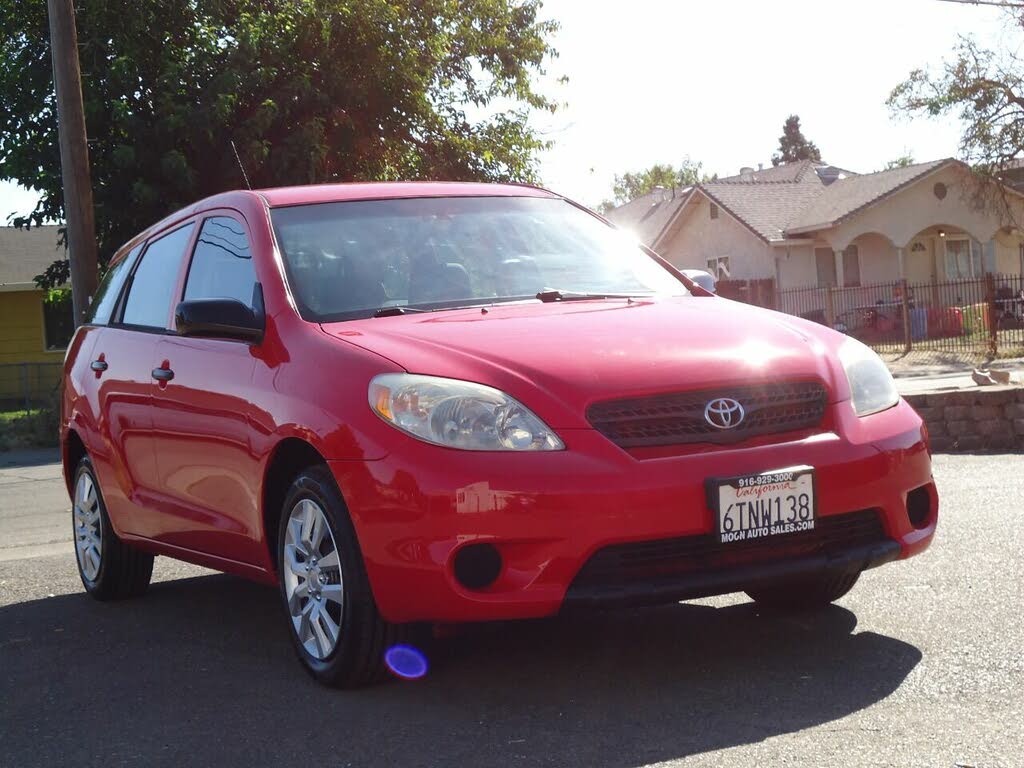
point(477, 565)
point(919, 507)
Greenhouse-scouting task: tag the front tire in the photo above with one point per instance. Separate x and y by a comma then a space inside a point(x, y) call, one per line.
point(806, 594)
point(335, 627)
point(109, 568)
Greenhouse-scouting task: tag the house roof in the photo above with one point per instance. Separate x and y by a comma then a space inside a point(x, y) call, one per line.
point(779, 174)
point(767, 201)
point(841, 200)
point(27, 253)
point(776, 202)
point(649, 215)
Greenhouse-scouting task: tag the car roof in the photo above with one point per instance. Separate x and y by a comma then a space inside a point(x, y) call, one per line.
point(331, 193)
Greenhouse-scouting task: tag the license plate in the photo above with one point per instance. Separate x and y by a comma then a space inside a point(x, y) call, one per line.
point(763, 505)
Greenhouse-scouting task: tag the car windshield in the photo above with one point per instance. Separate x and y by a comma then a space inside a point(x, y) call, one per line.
point(353, 259)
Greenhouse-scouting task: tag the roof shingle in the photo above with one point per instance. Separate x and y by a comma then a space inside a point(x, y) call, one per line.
point(768, 200)
point(801, 196)
point(647, 216)
point(844, 198)
point(27, 253)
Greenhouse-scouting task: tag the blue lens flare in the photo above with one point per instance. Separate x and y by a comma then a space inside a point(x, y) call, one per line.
point(406, 662)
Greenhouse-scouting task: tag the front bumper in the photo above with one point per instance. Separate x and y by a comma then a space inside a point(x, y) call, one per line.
point(548, 513)
point(721, 581)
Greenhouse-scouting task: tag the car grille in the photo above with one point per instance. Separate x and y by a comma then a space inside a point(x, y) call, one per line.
point(679, 417)
point(621, 564)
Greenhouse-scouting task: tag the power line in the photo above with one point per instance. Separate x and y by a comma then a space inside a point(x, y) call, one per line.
point(996, 3)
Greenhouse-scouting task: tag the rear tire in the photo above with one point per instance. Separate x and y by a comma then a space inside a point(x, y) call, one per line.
point(336, 630)
point(805, 594)
point(109, 568)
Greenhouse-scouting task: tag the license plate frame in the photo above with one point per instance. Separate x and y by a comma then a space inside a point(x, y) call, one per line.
point(732, 524)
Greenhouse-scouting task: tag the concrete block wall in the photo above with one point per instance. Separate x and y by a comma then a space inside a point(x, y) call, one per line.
point(982, 419)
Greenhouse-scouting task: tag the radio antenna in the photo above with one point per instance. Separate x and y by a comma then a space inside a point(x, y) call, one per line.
point(240, 166)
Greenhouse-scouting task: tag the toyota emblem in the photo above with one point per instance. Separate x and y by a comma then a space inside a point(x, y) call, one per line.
point(724, 413)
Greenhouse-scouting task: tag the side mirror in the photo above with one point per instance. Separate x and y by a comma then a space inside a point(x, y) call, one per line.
point(704, 279)
point(224, 318)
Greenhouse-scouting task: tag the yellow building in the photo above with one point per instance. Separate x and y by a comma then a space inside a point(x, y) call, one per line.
point(33, 335)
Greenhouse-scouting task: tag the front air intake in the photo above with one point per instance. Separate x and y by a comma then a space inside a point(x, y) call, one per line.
point(680, 417)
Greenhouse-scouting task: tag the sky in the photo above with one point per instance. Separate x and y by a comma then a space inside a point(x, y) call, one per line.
point(658, 80)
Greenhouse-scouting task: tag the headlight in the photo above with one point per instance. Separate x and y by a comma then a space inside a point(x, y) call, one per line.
point(871, 385)
point(459, 414)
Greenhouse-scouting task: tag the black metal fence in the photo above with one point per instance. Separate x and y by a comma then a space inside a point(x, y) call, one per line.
point(978, 316)
point(26, 386)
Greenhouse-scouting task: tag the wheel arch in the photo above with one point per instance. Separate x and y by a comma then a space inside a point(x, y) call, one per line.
point(289, 457)
point(72, 451)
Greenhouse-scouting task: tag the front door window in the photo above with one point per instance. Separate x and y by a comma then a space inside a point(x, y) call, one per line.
point(155, 279)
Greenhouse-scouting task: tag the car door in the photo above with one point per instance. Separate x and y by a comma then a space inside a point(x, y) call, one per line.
point(89, 377)
point(123, 360)
point(209, 475)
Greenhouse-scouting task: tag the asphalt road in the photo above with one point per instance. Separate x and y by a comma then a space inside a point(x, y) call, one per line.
point(921, 665)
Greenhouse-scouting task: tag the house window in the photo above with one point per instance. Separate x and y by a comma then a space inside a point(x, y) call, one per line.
point(851, 266)
point(714, 211)
point(966, 258)
point(58, 322)
point(825, 261)
point(719, 267)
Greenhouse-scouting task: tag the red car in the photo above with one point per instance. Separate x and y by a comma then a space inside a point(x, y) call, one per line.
point(421, 403)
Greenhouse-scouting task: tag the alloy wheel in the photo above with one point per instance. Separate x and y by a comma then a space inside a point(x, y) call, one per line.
point(312, 579)
point(88, 527)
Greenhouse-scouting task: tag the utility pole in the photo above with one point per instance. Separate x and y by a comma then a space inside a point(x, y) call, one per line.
point(74, 155)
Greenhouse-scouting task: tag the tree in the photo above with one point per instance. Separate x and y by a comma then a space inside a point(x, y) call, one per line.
point(633, 184)
point(309, 91)
point(985, 89)
point(900, 162)
point(793, 145)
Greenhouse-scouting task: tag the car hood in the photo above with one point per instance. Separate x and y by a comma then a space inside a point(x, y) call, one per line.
point(557, 358)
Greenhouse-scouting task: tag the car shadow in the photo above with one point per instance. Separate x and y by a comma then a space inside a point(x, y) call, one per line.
point(201, 672)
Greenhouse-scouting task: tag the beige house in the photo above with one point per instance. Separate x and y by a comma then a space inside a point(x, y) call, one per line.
point(813, 225)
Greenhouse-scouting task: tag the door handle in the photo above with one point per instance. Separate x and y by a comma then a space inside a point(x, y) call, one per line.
point(98, 365)
point(163, 374)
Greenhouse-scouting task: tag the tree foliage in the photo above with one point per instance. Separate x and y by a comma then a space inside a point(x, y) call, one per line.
point(793, 145)
point(900, 162)
point(633, 184)
point(984, 89)
point(309, 90)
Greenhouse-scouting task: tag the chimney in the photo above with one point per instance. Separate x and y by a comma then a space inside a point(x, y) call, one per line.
point(746, 173)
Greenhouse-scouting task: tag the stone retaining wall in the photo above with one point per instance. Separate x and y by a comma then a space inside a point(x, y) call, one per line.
point(986, 418)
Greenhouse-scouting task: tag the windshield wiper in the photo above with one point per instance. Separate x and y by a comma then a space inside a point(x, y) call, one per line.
point(554, 294)
point(397, 310)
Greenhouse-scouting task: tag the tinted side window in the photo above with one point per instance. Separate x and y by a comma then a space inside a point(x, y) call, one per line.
point(222, 263)
point(110, 288)
point(149, 297)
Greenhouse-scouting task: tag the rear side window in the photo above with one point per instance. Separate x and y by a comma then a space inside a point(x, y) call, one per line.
point(222, 263)
point(105, 299)
point(152, 286)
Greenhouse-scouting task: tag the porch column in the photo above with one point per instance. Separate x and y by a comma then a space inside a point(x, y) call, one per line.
point(901, 262)
point(840, 281)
